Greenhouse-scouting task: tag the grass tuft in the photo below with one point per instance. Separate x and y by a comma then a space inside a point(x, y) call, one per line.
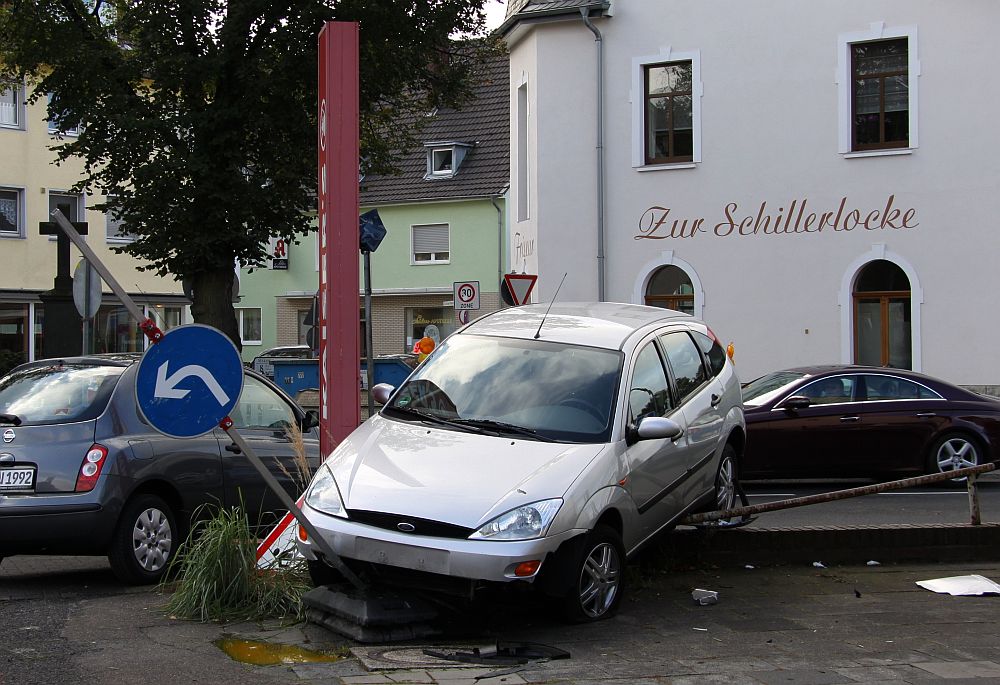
point(219, 579)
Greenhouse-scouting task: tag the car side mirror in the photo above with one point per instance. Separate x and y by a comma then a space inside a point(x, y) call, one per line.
point(654, 428)
point(382, 392)
point(796, 402)
point(310, 420)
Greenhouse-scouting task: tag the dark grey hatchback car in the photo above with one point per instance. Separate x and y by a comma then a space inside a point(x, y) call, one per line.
point(82, 473)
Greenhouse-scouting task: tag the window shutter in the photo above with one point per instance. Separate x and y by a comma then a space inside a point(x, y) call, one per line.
point(430, 239)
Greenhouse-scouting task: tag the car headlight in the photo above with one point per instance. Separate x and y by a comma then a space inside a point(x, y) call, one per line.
point(523, 523)
point(324, 495)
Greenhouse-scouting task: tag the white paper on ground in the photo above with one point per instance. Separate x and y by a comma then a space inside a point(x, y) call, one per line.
point(961, 585)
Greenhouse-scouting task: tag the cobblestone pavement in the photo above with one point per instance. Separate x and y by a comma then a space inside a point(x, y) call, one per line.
point(65, 620)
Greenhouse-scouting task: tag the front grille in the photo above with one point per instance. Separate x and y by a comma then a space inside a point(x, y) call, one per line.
point(424, 527)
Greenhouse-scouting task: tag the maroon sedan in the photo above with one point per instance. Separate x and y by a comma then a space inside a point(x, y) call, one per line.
point(864, 422)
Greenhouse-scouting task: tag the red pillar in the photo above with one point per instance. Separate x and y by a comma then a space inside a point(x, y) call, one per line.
point(340, 343)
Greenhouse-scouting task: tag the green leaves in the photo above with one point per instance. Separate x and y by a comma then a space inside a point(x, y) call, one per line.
point(199, 116)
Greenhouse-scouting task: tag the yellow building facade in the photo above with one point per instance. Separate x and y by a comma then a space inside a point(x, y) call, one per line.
point(31, 185)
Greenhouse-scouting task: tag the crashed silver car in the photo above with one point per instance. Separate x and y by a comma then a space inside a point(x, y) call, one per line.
point(535, 447)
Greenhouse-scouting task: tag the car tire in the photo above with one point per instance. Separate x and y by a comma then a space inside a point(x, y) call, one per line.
point(597, 578)
point(321, 573)
point(144, 541)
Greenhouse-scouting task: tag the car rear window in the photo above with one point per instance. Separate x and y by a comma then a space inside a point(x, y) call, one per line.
point(39, 395)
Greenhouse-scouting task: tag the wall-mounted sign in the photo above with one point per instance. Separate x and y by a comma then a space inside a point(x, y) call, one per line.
point(795, 217)
point(278, 250)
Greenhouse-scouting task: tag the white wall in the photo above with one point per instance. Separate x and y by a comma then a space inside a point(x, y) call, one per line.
point(770, 134)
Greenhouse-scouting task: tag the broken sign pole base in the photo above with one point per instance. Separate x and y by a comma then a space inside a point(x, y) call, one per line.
point(370, 616)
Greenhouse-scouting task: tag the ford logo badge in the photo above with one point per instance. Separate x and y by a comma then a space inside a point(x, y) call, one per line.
point(406, 527)
point(8, 435)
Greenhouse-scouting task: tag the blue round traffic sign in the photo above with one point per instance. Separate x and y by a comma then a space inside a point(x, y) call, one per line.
point(189, 381)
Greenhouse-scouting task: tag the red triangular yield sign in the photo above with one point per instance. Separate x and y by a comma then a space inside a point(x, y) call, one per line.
point(520, 286)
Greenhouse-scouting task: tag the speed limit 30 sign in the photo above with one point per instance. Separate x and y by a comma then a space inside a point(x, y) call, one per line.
point(466, 295)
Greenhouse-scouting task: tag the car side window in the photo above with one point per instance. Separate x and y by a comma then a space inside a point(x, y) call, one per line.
point(261, 407)
point(685, 361)
point(830, 390)
point(649, 392)
point(893, 388)
point(713, 351)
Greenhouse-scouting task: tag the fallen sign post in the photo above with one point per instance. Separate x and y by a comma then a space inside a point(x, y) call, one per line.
point(970, 472)
point(162, 391)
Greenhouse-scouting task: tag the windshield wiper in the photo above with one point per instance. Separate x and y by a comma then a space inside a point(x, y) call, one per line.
point(10, 418)
point(431, 418)
point(501, 427)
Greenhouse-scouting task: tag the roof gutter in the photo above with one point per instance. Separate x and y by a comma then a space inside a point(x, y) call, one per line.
point(599, 39)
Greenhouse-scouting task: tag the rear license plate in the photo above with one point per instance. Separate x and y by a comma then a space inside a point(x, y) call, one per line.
point(406, 556)
point(17, 479)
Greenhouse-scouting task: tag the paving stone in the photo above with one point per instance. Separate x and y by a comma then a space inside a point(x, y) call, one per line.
point(962, 669)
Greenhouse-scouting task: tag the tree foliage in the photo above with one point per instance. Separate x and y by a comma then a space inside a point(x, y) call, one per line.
point(198, 117)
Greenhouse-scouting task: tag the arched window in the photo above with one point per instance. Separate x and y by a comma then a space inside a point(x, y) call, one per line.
point(670, 287)
point(882, 331)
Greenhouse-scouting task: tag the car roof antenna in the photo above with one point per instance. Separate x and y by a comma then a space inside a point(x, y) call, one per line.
point(538, 333)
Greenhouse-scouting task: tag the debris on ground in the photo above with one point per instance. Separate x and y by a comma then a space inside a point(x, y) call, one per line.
point(818, 564)
point(961, 585)
point(705, 597)
point(874, 563)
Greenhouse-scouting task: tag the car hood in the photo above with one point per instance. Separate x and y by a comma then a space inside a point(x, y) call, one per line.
point(450, 476)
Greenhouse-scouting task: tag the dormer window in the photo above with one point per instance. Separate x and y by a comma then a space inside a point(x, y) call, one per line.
point(444, 159)
point(441, 161)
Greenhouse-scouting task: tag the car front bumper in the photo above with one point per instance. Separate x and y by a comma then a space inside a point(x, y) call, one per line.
point(485, 560)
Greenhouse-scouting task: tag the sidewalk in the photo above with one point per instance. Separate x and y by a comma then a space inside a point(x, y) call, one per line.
point(794, 623)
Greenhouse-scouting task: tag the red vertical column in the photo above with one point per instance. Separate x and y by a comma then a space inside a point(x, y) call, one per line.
point(340, 340)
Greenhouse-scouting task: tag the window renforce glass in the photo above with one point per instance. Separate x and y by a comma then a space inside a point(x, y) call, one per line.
point(880, 97)
point(10, 212)
point(431, 243)
point(668, 117)
point(250, 325)
point(10, 107)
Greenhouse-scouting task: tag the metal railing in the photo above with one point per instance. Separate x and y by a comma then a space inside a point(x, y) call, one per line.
point(969, 472)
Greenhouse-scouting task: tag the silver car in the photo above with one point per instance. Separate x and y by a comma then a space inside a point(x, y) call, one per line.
point(535, 448)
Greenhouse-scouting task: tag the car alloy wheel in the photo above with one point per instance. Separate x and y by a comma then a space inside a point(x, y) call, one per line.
point(725, 480)
point(954, 452)
point(598, 578)
point(144, 540)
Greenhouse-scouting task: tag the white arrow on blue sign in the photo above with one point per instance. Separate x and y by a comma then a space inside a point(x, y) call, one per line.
point(189, 381)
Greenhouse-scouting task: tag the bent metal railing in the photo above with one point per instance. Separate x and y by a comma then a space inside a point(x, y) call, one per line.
point(969, 472)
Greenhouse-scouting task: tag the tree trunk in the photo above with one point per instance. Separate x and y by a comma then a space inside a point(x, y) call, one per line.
point(212, 302)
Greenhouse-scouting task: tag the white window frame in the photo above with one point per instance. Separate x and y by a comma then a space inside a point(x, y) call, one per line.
point(19, 195)
point(435, 151)
point(639, 64)
point(433, 259)
point(18, 108)
point(239, 321)
point(114, 237)
point(876, 31)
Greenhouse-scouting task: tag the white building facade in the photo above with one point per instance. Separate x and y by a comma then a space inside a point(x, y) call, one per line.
point(815, 180)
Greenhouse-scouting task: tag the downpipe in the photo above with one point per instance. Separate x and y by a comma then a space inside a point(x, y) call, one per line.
point(599, 39)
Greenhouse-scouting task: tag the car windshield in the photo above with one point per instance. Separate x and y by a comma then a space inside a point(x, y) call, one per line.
point(515, 387)
point(57, 393)
point(766, 388)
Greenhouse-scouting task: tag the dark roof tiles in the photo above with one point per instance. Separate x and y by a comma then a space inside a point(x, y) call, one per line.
point(483, 123)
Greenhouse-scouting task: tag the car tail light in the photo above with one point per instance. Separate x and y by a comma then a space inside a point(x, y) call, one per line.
point(90, 469)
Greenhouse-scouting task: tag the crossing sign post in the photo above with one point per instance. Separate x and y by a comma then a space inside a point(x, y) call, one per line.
point(190, 381)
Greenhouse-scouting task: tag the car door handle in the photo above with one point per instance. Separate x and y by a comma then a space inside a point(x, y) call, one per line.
point(716, 399)
point(926, 414)
point(849, 419)
point(234, 448)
